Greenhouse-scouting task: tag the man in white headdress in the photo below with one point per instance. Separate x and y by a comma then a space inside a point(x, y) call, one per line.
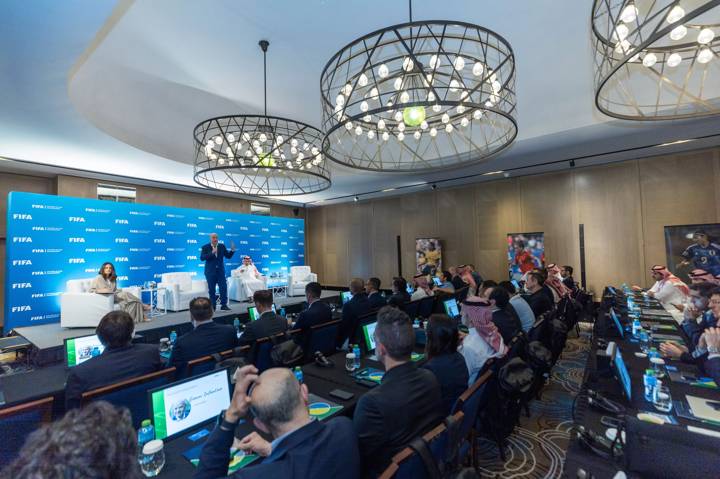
point(251, 278)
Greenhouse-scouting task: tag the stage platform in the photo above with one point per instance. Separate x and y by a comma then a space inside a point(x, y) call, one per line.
point(47, 339)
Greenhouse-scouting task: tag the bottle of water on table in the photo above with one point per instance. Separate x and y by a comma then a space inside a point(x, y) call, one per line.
point(356, 351)
point(146, 433)
point(173, 338)
point(298, 374)
point(650, 382)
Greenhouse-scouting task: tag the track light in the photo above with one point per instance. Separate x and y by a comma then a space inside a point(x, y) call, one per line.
point(356, 199)
point(572, 163)
point(434, 186)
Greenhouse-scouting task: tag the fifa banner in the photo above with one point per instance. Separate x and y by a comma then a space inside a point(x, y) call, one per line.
point(53, 239)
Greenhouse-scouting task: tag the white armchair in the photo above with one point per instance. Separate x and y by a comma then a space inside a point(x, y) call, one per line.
point(299, 277)
point(79, 308)
point(180, 288)
point(236, 285)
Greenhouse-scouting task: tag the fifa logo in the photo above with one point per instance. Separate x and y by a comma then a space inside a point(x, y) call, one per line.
point(76, 240)
point(121, 259)
point(158, 258)
point(121, 240)
point(20, 216)
point(76, 219)
point(192, 258)
point(22, 239)
point(158, 223)
point(191, 225)
point(21, 285)
point(19, 309)
point(121, 222)
point(158, 240)
point(76, 260)
point(22, 262)
point(192, 241)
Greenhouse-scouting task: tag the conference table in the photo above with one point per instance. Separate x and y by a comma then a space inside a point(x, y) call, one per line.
point(580, 461)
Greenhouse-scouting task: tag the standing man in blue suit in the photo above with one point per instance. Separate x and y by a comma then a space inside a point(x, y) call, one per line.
point(214, 254)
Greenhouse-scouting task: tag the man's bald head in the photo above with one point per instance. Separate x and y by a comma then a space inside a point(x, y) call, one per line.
point(278, 398)
point(213, 238)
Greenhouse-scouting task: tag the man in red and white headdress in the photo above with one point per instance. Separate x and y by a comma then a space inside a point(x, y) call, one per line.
point(668, 288)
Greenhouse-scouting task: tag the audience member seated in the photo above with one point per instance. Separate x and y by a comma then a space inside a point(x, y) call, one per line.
point(207, 337)
point(351, 311)
point(372, 288)
point(301, 447)
point(400, 295)
point(520, 306)
point(567, 277)
point(317, 312)
point(444, 360)
point(712, 364)
point(96, 441)
point(553, 280)
point(456, 278)
point(546, 290)
point(475, 275)
point(421, 286)
point(697, 310)
point(120, 360)
point(537, 298)
point(502, 313)
point(483, 341)
point(485, 285)
point(446, 285)
point(668, 288)
point(702, 276)
point(267, 324)
point(406, 404)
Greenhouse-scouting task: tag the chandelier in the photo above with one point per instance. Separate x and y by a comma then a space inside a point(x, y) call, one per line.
point(419, 96)
point(260, 154)
point(656, 59)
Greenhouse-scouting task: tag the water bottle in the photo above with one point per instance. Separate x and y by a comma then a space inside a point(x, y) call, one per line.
point(636, 327)
point(173, 338)
point(650, 381)
point(298, 374)
point(282, 312)
point(236, 323)
point(644, 340)
point(146, 433)
point(356, 351)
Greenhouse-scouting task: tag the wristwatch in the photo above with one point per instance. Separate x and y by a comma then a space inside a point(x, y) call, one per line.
point(713, 350)
point(226, 425)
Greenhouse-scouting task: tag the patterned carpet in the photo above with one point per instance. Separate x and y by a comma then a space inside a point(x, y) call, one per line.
point(537, 447)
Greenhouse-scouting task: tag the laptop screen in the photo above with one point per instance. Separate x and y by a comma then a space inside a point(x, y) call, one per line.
point(78, 350)
point(177, 407)
point(437, 281)
point(622, 374)
point(253, 312)
point(346, 296)
point(369, 335)
point(617, 323)
point(451, 308)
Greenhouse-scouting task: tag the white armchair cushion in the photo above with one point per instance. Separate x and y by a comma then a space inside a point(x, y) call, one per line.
point(299, 277)
point(82, 309)
point(180, 289)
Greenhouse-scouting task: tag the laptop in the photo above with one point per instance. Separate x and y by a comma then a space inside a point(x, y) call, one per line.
point(253, 312)
point(622, 374)
point(451, 308)
point(616, 320)
point(345, 296)
point(437, 281)
point(368, 331)
point(178, 407)
point(80, 349)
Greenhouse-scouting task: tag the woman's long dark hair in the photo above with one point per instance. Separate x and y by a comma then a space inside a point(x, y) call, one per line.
point(113, 275)
point(442, 336)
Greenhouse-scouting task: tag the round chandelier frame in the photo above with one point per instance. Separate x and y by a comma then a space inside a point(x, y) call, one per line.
point(657, 59)
point(260, 155)
point(419, 96)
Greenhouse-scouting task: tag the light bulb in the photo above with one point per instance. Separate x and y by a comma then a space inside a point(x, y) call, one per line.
point(300, 156)
point(704, 55)
point(246, 137)
point(258, 150)
point(674, 60)
point(622, 47)
point(629, 13)
point(429, 79)
point(349, 125)
point(364, 106)
point(401, 126)
point(213, 156)
point(678, 33)
point(385, 136)
point(434, 62)
point(445, 118)
point(496, 86)
point(424, 125)
point(381, 124)
point(416, 135)
point(248, 153)
point(398, 116)
point(279, 140)
point(221, 161)
point(347, 89)
point(306, 146)
point(478, 69)
point(620, 33)
point(477, 114)
point(414, 115)
point(433, 132)
point(294, 142)
point(676, 13)
point(454, 85)
point(463, 95)
point(367, 118)
point(649, 60)
point(401, 136)
point(460, 109)
point(217, 140)
point(370, 134)
point(404, 97)
point(358, 130)
point(464, 121)
point(407, 64)
point(374, 92)
point(255, 143)
point(340, 100)
point(314, 150)
point(383, 71)
point(459, 63)
point(262, 137)
point(397, 83)
point(430, 96)
point(362, 80)
point(449, 128)
point(436, 108)
point(231, 138)
point(705, 36)
point(228, 151)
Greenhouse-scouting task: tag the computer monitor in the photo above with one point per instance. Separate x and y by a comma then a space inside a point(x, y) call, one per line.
point(437, 281)
point(369, 335)
point(180, 406)
point(253, 312)
point(451, 308)
point(616, 320)
point(622, 374)
point(80, 349)
point(346, 296)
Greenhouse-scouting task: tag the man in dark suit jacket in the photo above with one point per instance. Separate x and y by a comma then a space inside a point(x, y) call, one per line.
point(400, 295)
point(351, 312)
point(317, 312)
point(537, 297)
point(372, 288)
point(119, 361)
point(566, 272)
point(268, 324)
point(301, 447)
point(207, 337)
point(503, 316)
point(214, 254)
point(406, 404)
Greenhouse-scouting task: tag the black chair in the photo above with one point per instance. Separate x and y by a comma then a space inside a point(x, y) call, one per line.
point(206, 364)
point(469, 404)
point(412, 308)
point(18, 422)
point(410, 463)
point(262, 349)
point(322, 338)
point(461, 294)
point(131, 393)
point(426, 307)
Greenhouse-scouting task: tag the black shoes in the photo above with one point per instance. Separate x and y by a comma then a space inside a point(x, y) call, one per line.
point(224, 307)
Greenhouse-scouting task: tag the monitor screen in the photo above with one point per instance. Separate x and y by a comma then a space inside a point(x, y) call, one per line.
point(437, 281)
point(177, 407)
point(79, 350)
point(516, 284)
point(410, 289)
point(369, 334)
point(253, 312)
point(622, 373)
point(617, 322)
point(346, 296)
point(451, 308)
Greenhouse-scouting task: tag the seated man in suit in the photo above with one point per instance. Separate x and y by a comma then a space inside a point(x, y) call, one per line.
point(400, 295)
point(317, 312)
point(372, 288)
point(567, 277)
point(503, 316)
point(268, 324)
point(537, 297)
point(207, 337)
point(711, 338)
point(406, 404)
point(120, 360)
point(301, 447)
point(351, 311)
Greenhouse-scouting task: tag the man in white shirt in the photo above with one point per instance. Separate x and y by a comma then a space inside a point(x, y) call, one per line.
point(668, 288)
point(521, 307)
point(251, 277)
point(483, 340)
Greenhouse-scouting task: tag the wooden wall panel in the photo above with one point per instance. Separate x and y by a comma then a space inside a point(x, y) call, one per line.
point(456, 216)
point(386, 227)
point(418, 219)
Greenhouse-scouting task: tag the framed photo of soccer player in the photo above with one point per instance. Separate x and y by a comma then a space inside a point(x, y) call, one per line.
point(525, 252)
point(690, 247)
point(428, 255)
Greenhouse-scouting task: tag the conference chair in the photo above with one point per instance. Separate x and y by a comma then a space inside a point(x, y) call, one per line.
point(131, 393)
point(261, 351)
point(299, 277)
point(469, 404)
point(180, 288)
point(79, 308)
point(412, 308)
point(425, 308)
point(322, 338)
point(16, 424)
point(207, 363)
point(461, 294)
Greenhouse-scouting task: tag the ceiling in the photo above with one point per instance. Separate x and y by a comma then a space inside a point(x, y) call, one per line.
point(116, 87)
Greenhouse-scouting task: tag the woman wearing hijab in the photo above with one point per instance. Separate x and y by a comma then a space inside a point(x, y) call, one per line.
point(483, 340)
point(106, 283)
point(668, 288)
point(422, 287)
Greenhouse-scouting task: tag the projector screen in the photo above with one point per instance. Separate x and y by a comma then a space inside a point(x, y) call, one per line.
point(53, 239)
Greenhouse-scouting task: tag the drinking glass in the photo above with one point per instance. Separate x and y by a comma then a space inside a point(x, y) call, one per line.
point(663, 400)
point(350, 362)
point(152, 459)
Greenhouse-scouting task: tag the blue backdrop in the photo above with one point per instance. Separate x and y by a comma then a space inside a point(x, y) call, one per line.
point(52, 239)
